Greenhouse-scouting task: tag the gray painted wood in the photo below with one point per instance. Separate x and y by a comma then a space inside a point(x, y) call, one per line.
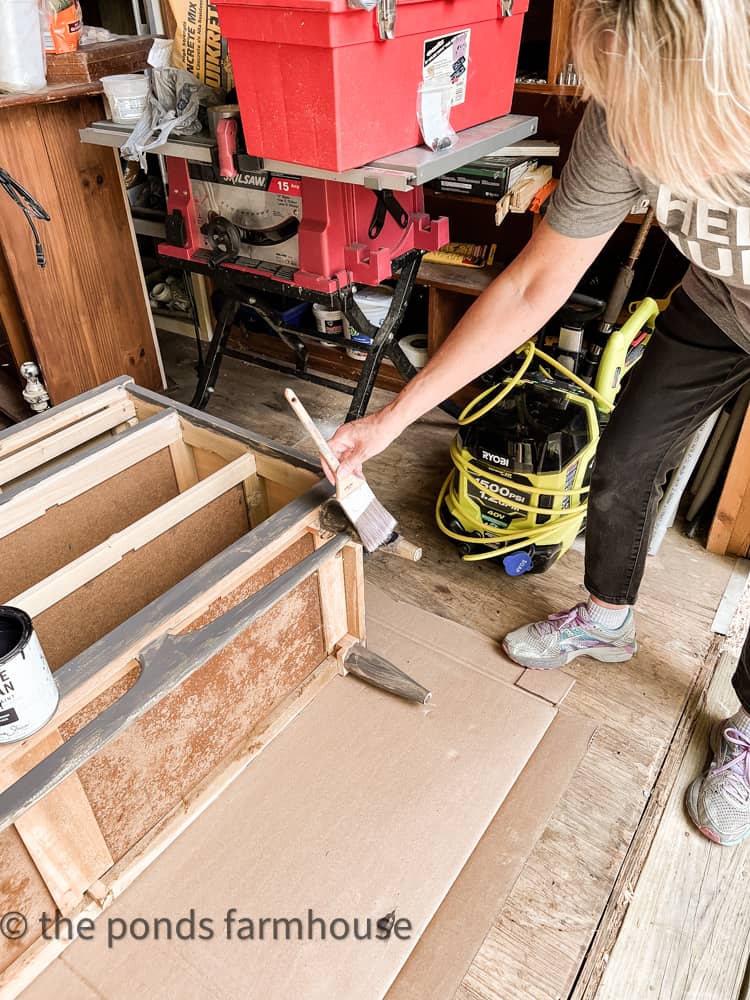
point(165, 663)
point(87, 664)
point(85, 453)
point(257, 441)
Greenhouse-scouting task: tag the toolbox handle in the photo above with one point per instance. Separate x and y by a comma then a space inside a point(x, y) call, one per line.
point(165, 663)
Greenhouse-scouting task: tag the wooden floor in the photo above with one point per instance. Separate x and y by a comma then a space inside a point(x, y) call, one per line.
point(552, 938)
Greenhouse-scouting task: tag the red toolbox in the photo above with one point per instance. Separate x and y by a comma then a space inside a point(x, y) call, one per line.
point(317, 85)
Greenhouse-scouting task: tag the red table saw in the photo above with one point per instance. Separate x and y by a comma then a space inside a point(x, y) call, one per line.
point(260, 227)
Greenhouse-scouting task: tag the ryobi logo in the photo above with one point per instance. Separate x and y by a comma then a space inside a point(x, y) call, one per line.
point(487, 456)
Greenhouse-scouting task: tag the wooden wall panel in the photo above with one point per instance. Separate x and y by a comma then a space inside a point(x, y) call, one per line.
point(86, 312)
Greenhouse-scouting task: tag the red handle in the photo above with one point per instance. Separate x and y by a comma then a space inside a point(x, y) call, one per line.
point(226, 138)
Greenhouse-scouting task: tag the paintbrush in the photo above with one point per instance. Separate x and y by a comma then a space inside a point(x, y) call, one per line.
point(374, 524)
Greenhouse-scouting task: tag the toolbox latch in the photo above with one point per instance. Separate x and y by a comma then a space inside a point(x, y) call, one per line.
point(506, 7)
point(386, 18)
point(386, 15)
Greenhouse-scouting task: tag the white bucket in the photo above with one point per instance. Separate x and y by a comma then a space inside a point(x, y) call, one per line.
point(127, 95)
point(328, 321)
point(28, 692)
point(374, 303)
point(415, 348)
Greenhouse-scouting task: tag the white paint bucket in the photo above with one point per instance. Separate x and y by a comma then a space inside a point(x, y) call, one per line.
point(28, 692)
point(328, 321)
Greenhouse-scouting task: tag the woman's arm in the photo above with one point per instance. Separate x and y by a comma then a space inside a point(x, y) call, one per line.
point(513, 308)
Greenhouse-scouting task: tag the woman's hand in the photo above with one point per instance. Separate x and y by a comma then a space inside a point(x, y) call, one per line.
point(354, 443)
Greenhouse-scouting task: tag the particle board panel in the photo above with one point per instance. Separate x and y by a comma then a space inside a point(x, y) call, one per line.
point(139, 577)
point(21, 891)
point(145, 772)
point(313, 824)
point(66, 531)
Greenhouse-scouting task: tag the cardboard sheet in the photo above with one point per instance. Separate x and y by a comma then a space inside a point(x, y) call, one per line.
point(389, 621)
point(364, 805)
point(445, 951)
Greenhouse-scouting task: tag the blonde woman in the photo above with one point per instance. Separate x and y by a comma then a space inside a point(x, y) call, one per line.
point(668, 83)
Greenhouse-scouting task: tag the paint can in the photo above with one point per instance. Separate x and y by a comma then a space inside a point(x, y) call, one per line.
point(28, 692)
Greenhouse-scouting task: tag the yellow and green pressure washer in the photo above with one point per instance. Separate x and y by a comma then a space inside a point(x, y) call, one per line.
point(525, 448)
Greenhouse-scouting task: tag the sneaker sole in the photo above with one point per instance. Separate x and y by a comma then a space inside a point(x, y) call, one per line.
point(604, 655)
point(691, 807)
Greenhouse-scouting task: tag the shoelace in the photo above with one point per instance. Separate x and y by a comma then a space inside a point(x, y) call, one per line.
point(561, 620)
point(737, 786)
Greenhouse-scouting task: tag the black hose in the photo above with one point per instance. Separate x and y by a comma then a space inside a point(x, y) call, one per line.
point(30, 208)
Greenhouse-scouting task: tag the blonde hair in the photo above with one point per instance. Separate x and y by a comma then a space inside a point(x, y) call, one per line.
point(674, 79)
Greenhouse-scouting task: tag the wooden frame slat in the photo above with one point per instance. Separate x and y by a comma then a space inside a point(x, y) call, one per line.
point(63, 837)
point(58, 443)
point(32, 498)
point(94, 562)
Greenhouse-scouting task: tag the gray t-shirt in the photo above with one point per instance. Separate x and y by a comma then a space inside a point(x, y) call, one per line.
point(598, 189)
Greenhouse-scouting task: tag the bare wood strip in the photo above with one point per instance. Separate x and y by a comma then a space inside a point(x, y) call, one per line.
point(276, 469)
point(331, 584)
point(60, 442)
point(32, 498)
point(116, 880)
point(62, 836)
point(108, 660)
point(183, 462)
point(59, 417)
point(88, 566)
point(148, 402)
point(354, 577)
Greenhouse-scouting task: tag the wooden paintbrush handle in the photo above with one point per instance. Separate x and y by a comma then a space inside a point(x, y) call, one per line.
point(307, 422)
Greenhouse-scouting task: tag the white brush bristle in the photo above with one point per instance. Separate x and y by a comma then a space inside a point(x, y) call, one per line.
point(373, 522)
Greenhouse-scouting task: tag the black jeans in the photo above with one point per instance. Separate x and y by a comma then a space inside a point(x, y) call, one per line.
point(689, 369)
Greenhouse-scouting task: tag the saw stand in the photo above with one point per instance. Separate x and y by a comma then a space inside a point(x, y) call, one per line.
point(399, 172)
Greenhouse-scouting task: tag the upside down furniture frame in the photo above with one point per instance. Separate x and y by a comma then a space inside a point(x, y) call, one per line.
point(190, 605)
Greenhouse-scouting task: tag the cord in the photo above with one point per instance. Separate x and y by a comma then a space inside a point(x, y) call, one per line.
point(30, 208)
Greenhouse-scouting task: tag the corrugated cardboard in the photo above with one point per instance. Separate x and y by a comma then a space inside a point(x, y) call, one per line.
point(364, 805)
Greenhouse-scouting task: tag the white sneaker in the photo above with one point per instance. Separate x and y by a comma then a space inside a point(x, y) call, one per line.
point(718, 802)
point(568, 634)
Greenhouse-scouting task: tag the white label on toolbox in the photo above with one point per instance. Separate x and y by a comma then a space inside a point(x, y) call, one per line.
point(448, 56)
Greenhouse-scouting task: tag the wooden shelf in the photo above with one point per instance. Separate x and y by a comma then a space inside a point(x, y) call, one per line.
point(550, 89)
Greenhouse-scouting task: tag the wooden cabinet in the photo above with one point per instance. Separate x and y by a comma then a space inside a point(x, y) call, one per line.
point(84, 317)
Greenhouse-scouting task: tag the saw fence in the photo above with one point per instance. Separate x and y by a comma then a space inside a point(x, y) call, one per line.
point(190, 605)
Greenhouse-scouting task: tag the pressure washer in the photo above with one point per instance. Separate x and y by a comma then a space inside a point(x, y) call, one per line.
point(525, 448)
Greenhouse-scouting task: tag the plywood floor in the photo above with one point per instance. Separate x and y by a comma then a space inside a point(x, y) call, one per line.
point(540, 942)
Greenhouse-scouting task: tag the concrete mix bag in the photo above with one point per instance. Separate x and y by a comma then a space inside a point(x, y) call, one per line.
point(198, 45)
